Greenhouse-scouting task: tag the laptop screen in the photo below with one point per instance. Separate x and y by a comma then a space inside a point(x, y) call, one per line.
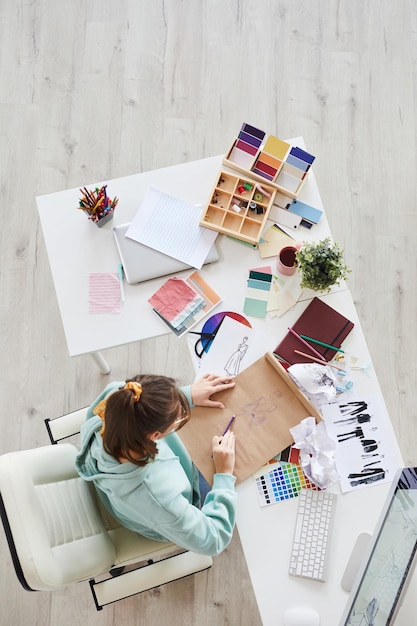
point(375, 595)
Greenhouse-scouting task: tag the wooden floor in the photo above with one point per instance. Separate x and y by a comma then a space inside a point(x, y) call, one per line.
point(96, 89)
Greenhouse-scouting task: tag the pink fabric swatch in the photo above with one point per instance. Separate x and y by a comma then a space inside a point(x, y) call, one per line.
point(174, 297)
point(104, 293)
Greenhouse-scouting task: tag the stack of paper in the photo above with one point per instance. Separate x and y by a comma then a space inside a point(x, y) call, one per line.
point(273, 240)
point(171, 226)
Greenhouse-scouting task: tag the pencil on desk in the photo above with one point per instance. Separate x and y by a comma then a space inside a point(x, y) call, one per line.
point(318, 355)
point(321, 343)
point(322, 361)
point(121, 279)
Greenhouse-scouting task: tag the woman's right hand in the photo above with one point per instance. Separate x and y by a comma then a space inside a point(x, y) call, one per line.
point(224, 453)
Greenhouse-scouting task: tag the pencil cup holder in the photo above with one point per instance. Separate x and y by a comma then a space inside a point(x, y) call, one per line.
point(103, 220)
point(286, 261)
point(97, 205)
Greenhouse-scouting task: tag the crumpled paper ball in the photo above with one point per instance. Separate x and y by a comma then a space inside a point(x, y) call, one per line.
point(315, 380)
point(317, 452)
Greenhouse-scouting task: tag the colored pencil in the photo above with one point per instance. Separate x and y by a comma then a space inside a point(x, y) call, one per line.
point(320, 356)
point(229, 425)
point(322, 361)
point(321, 343)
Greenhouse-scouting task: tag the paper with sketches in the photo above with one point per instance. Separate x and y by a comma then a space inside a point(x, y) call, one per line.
point(235, 348)
point(266, 402)
point(366, 450)
point(317, 452)
point(171, 226)
point(104, 292)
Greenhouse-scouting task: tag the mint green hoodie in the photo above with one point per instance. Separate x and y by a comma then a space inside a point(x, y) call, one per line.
point(160, 500)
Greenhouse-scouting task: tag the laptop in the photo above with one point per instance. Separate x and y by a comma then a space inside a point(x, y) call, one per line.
point(142, 263)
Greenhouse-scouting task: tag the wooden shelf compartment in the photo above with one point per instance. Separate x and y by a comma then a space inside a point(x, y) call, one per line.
point(251, 229)
point(220, 198)
point(226, 182)
point(233, 222)
point(237, 207)
point(214, 216)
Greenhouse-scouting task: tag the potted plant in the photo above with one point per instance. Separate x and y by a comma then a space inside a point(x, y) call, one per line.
point(321, 265)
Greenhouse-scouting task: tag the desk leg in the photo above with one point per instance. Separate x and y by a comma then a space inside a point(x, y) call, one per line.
point(101, 362)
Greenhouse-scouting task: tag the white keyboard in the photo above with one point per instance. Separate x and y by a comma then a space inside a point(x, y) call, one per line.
point(313, 527)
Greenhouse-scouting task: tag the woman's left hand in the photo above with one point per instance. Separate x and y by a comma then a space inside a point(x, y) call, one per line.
point(206, 386)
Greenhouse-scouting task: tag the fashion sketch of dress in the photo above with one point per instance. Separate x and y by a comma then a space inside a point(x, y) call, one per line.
point(232, 366)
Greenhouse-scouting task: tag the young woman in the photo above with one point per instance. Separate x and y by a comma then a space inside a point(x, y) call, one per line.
point(142, 471)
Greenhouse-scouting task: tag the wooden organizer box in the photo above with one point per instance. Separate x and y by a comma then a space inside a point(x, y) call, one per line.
point(238, 208)
point(269, 159)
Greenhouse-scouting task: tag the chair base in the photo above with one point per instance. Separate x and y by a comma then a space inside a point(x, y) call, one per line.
point(148, 577)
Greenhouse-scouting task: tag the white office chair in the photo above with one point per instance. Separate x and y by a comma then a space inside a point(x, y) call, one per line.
point(59, 533)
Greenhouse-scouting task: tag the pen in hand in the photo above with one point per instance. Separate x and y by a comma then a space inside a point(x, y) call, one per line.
point(229, 425)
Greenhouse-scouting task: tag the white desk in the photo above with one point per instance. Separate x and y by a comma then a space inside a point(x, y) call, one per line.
point(77, 247)
point(266, 532)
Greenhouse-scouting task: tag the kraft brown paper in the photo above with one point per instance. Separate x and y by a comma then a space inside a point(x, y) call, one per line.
point(266, 402)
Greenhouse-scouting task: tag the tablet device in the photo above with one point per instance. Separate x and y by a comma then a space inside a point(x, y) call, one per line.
point(142, 263)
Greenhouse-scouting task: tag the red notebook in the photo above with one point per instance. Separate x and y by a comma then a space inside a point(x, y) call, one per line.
point(318, 321)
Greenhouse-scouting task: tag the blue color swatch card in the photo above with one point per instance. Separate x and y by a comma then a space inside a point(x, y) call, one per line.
point(257, 292)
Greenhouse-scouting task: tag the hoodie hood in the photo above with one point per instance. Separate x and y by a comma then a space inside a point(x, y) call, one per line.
point(160, 500)
point(93, 463)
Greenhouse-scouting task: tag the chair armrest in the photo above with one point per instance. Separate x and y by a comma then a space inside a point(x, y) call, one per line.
point(66, 425)
point(147, 577)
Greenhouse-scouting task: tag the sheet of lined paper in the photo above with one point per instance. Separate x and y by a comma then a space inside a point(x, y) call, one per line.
point(104, 293)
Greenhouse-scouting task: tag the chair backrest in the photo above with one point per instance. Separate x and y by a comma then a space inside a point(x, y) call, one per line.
point(59, 532)
point(52, 517)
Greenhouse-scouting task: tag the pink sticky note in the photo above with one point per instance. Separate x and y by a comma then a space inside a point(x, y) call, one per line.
point(265, 270)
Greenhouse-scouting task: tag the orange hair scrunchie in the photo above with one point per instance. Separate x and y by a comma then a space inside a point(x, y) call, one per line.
point(137, 390)
point(100, 408)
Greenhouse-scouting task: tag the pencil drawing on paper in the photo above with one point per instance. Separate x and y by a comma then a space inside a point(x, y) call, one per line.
point(259, 409)
point(357, 426)
point(232, 367)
